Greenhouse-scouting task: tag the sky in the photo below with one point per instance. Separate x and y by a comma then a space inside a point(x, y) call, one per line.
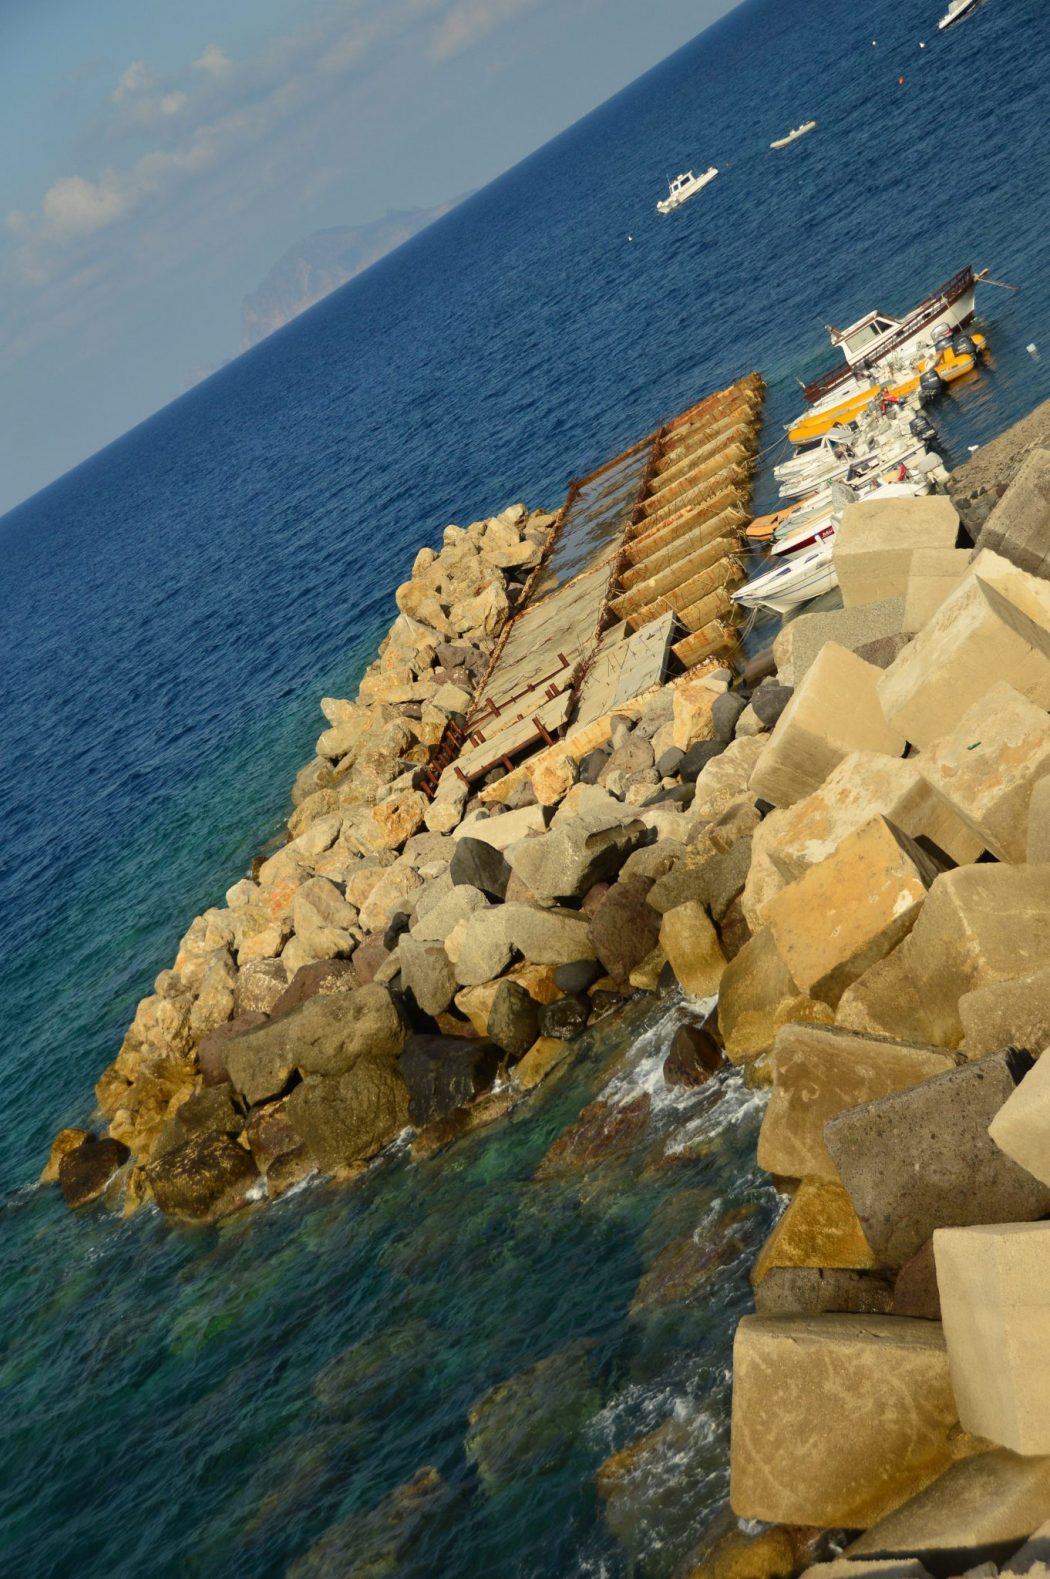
point(159, 158)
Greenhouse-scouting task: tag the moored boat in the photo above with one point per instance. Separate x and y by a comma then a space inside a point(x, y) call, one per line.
point(791, 581)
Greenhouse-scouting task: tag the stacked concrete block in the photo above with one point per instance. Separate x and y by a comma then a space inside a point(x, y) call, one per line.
point(877, 539)
point(932, 575)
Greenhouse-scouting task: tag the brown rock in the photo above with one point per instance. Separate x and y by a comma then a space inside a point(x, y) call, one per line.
point(624, 929)
point(601, 1132)
point(694, 1057)
point(344, 1119)
point(276, 1147)
point(202, 1180)
point(322, 979)
point(211, 1052)
point(915, 1289)
point(65, 1141)
point(324, 1036)
point(85, 1170)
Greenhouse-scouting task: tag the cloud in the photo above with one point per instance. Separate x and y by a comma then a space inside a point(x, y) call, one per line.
point(468, 21)
point(134, 79)
point(213, 61)
point(74, 206)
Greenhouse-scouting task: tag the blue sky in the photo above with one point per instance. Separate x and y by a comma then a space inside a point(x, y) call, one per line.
point(159, 158)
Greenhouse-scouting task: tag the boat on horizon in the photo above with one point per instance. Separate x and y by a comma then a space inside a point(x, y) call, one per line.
point(793, 136)
point(682, 187)
point(957, 9)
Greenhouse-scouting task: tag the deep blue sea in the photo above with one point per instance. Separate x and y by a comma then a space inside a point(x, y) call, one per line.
point(235, 1403)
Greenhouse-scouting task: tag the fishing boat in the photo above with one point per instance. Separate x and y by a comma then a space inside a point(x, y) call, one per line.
point(956, 11)
point(885, 353)
point(682, 187)
point(793, 136)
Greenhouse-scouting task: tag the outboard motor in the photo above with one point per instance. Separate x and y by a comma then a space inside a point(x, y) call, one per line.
point(962, 345)
point(929, 383)
point(942, 337)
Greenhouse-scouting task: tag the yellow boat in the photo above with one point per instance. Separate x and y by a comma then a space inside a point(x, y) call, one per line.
point(814, 424)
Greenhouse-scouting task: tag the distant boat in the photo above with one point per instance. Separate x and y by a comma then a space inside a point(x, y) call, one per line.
point(683, 187)
point(799, 131)
point(956, 11)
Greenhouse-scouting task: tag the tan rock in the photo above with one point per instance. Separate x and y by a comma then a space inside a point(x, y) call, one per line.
point(555, 773)
point(836, 1419)
point(1007, 1014)
point(323, 919)
point(645, 976)
point(865, 784)
point(877, 539)
point(995, 623)
point(693, 700)
point(986, 768)
point(976, 1510)
point(840, 917)
point(994, 1285)
point(389, 894)
point(835, 710)
point(932, 575)
point(755, 988)
point(819, 1229)
point(259, 937)
point(394, 820)
point(1021, 1129)
point(979, 924)
point(727, 779)
point(542, 1058)
point(690, 945)
point(476, 1002)
point(820, 1071)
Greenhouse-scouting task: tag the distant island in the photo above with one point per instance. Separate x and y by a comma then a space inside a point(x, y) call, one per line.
point(322, 262)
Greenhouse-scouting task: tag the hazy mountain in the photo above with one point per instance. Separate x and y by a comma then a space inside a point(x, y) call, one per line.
point(325, 260)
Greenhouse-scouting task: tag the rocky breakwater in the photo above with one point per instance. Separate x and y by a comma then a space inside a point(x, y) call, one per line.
point(243, 1065)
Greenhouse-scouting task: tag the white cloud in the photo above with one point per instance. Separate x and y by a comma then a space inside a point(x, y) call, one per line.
point(468, 21)
point(74, 206)
point(134, 79)
point(213, 61)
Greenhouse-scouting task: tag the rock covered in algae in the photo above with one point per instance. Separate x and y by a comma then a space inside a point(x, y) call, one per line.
point(374, 1544)
point(528, 1424)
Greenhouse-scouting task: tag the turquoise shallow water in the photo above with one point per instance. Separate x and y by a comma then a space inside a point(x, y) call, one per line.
point(171, 612)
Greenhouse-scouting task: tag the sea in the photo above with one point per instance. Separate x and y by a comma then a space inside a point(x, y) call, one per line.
point(248, 1400)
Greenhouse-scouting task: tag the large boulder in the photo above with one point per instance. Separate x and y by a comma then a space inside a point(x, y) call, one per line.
point(321, 979)
point(547, 937)
point(979, 924)
point(820, 1071)
point(987, 767)
point(835, 710)
point(345, 1119)
point(996, 1280)
point(323, 920)
point(833, 923)
point(480, 865)
point(976, 1511)
point(624, 928)
point(690, 942)
point(996, 622)
point(204, 1179)
point(836, 1418)
point(259, 986)
point(85, 1170)
point(1021, 1128)
point(211, 1050)
point(922, 1158)
point(426, 972)
point(756, 995)
point(877, 539)
point(444, 1072)
point(65, 1141)
point(570, 858)
point(324, 1036)
point(210, 1110)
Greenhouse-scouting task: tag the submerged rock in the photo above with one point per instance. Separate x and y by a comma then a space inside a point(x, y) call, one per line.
point(530, 1423)
point(601, 1132)
point(375, 1544)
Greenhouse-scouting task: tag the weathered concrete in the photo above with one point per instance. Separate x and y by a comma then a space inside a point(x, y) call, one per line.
point(979, 924)
point(1021, 1128)
point(820, 1071)
point(995, 623)
point(932, 575)
point(816, 1291)
point(835, 710)
point(877, 538)
point(836, 1419)
point(752, 994)
point(977, 1511)
point(800, 639)
point(922, 1159)
point(1019, 526)
point(994, 1284)
point(986, 769)
point(833, 923)
point(819, 1229)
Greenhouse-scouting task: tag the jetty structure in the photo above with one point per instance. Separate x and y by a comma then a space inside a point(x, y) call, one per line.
point(635, 583)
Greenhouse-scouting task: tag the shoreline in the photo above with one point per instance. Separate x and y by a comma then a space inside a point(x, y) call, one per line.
point(412, 961)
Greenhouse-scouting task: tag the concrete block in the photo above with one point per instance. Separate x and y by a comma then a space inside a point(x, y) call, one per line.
point(994, 1284)
point(816, 1291)
point(1019, 526)
point(977, 1511)
point(865, 784)
point(1007, 1014)
point(1021, 1128)
point(932, 574)
point(819, 1229)
point(876, 541)
point(979, 924)
point(820, 1071)
point(834, 710)
point(1037, 850)
point(986, 768)
point(801, 639)
point(995, 623)
point(756, 987)
point(833, 923)
point(836, 1419)
point(922, 1158)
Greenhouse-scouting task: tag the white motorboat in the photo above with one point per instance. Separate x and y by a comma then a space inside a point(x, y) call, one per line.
point(956, 11)
point(792, 581)
point(683, 187)
point(793, 136)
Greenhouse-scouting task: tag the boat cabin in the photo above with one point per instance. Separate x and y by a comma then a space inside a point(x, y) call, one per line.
point(680, 182)
point(864, 337)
